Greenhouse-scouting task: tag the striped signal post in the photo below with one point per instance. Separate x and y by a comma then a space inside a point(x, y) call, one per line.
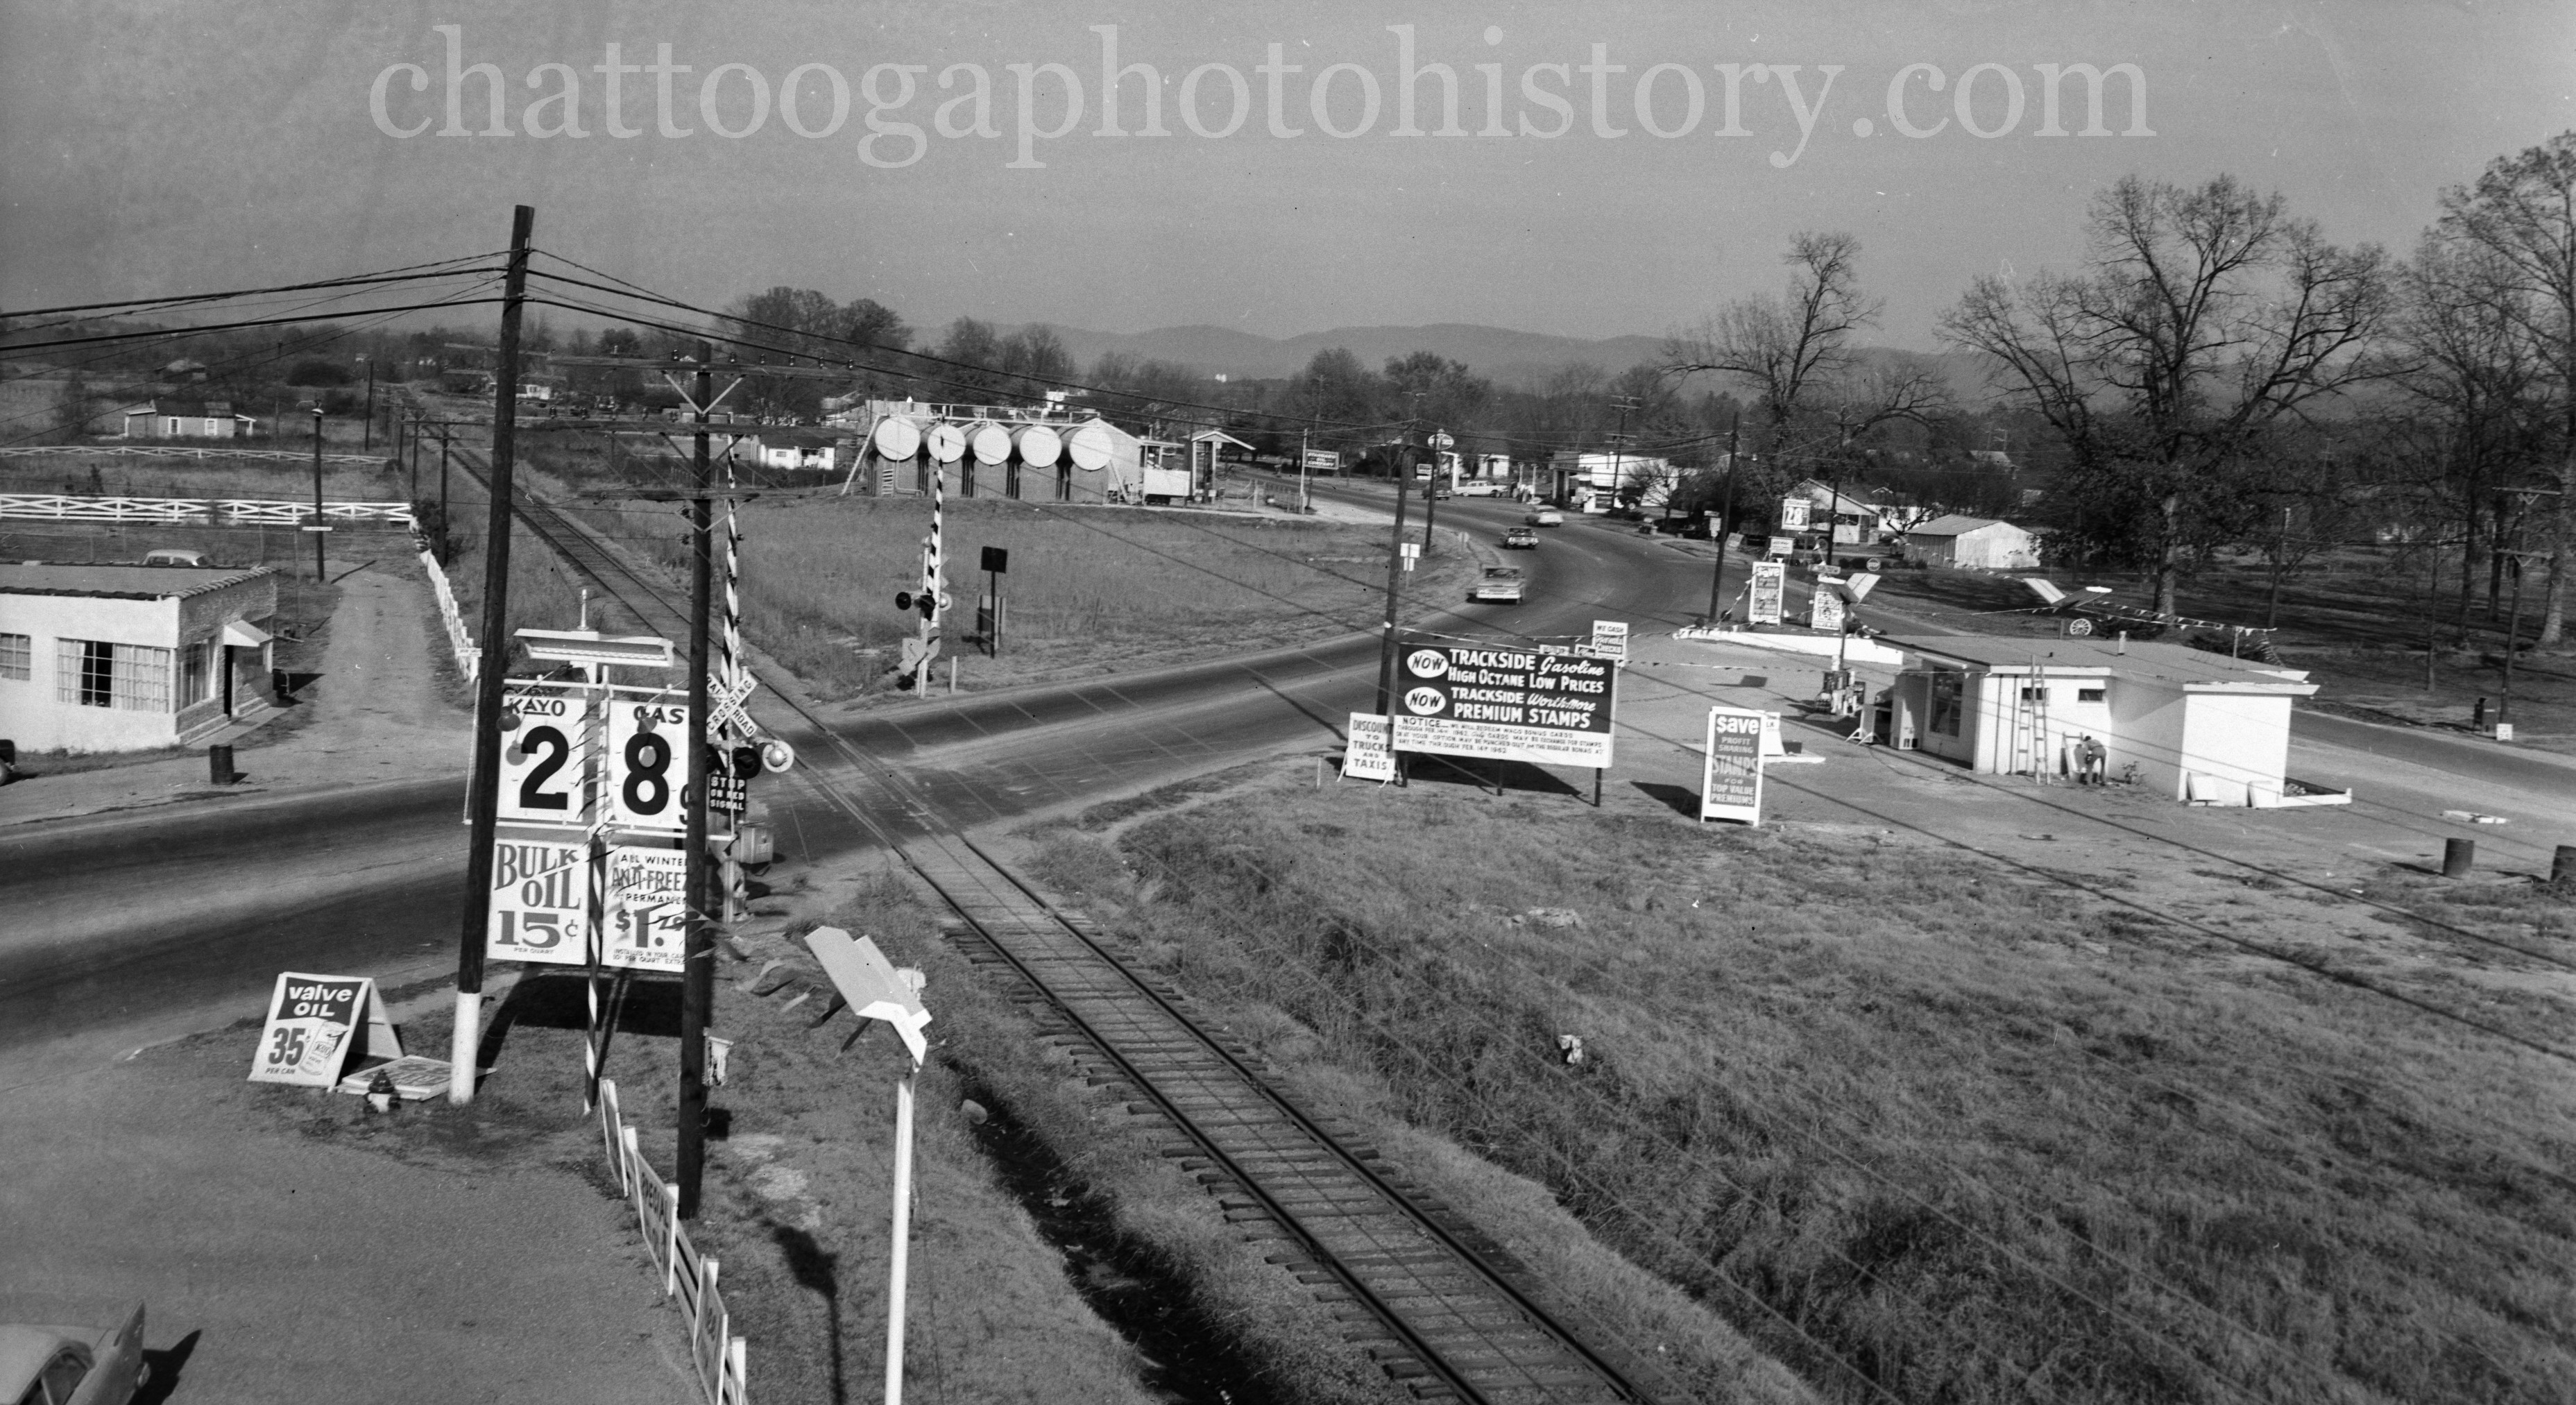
point(734, 677)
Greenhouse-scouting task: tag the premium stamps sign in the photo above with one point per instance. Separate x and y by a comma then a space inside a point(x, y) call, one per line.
point(540, 903)
point(1824, 609)
point(1371, 753)
point(1730, 786)
point(647, 907)
point(1504, 703)
point(316, 1025)
point(1770, 590)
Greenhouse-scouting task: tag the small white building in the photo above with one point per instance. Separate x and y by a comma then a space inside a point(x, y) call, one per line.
point(1978, 542)
point(2196, 725)
point(1592, 482)
point(127, 658)
point(802, 449)
point(169, 418)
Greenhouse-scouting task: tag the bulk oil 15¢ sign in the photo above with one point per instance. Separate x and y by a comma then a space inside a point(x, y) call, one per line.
point(540, 902)
point(1507, 704)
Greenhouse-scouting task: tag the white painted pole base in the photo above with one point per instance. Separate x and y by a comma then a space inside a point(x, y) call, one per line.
point(461, 1048)
point(902, 1240)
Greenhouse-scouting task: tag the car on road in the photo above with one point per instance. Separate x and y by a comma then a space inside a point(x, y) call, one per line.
point(1480, 490)
point(171, 556)
point(70, 1351)
point(1502, 585)
point(1521, 538)
point(1545, 517)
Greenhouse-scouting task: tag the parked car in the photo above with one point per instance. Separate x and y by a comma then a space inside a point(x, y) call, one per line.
point(1502, 585)
point(1524, 538)
point(1545, 517)
point(1480, 490)
point(171, 556)
point(70, 1351)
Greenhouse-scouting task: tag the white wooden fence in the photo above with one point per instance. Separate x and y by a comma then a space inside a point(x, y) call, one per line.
point(469, 660)
point(202, 512)
point(22, 451)
point(717, 1359)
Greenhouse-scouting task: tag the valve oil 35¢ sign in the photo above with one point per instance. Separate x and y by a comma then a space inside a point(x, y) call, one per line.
point(316, 1025)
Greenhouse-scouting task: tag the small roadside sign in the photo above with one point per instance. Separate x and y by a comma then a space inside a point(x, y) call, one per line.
point(647, 906)
point(1371, 756)
point(1730, 786)
point(540, 903)
point(1825, 609)
point(647, 764)
point(1610, 640)
point(317, 1025)
point(1769, 592)
point(1323, 461)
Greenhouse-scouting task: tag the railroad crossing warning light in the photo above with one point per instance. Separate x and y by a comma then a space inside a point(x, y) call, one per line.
point(927, 604)
point(746, 762)
point(776, 755)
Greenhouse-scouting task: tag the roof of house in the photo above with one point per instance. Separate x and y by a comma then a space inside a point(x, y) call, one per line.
point(2175, 665)
point(187, 409)
point(1812, 488)
point(120, 581)
point(801, 438)
point(1219, 436)
point(1954, 524)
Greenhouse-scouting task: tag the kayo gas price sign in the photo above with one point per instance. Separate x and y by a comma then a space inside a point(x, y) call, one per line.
point(1509, 704)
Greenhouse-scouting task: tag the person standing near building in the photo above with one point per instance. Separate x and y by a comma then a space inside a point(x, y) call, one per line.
point(2090, 761)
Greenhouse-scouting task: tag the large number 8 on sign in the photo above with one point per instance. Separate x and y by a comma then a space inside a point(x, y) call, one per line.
point(648, 784)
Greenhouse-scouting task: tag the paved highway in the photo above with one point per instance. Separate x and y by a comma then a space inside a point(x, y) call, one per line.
point(122, 925)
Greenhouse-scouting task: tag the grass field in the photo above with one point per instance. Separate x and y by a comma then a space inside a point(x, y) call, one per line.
point(1089, 590)
point(1903, 1117)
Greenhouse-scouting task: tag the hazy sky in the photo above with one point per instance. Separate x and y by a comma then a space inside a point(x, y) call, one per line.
point(157, 148)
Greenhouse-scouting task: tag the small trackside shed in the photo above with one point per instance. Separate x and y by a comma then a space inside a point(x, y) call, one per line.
point(2197, 726)
point(1977, 542)
point(127, 658)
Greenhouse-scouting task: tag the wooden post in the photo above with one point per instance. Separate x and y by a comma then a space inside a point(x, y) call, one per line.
point(697, 942)
point(484, 794)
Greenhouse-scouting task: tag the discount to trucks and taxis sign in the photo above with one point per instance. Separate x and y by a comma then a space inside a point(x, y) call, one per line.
point(1504, 703)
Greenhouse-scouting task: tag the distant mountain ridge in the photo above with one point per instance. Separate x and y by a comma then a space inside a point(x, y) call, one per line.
point(1508, 357)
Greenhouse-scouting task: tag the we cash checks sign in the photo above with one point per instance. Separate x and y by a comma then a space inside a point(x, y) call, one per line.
point(1535, 705)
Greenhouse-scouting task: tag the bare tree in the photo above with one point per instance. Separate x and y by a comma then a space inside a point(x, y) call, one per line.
point(2522, 211)
point(2209, 318)
point(1794, 353)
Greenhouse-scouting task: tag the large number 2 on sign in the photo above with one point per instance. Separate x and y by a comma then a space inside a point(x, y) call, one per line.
point(532, 792)
point(648, 759)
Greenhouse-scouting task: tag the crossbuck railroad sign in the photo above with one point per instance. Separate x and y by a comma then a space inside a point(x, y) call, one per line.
point(724, 703)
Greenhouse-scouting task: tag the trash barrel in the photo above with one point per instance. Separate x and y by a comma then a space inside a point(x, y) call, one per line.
point(2458, 857)
point(219, 764)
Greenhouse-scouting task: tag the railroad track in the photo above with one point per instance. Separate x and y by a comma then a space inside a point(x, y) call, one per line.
point(1442, 1309)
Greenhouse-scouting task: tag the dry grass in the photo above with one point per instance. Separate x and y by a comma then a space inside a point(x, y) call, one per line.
point(1976, 1136)
point(1090, 589)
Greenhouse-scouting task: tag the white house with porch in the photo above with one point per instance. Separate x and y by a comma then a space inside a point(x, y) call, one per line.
point(128, 658)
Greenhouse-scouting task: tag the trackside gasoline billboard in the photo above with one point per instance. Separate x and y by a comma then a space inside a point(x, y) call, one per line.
point(1511, 704)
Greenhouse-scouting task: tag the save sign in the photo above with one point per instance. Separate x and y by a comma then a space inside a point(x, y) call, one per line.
point(540, 902)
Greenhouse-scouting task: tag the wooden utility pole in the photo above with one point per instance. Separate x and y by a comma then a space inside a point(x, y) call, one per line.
point(484, 794)
point(317, 527)
point(1725, 516)
point(697, 944)
point(1403, 464)
point(367, 429)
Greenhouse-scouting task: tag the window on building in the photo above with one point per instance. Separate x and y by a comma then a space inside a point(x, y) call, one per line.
point(129, 677)
point(2034, 692)
point(1947, 689)
point(2090, 694)
point(192, 674)
point(17, 657)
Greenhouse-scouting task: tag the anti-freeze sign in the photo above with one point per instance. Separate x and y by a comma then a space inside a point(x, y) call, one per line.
point(1509, 704)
